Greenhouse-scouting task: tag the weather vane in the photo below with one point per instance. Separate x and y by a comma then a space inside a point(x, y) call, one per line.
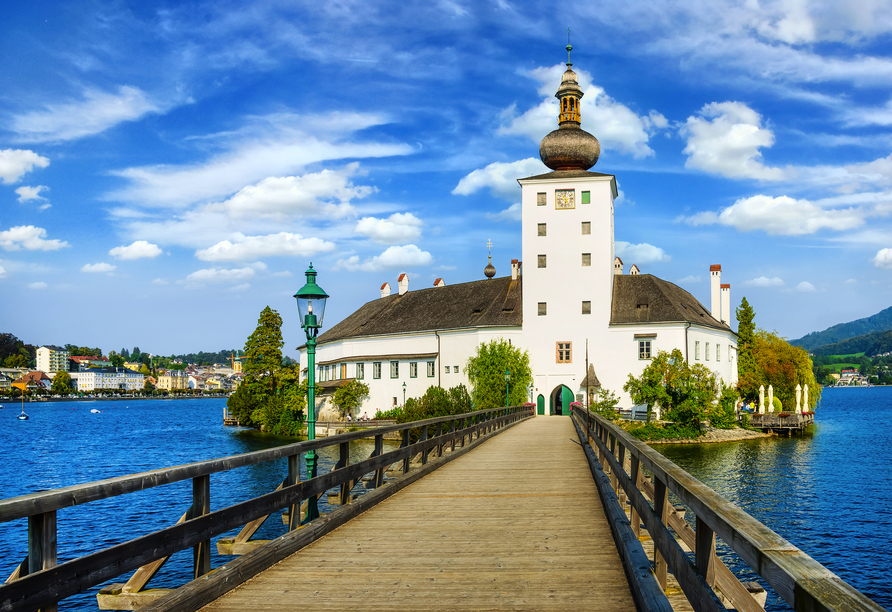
point(569, 47)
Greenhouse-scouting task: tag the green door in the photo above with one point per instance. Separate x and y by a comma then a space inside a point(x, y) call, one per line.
point(566, 397)
point(540, 404)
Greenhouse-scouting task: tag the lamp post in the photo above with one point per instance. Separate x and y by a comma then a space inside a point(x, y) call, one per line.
point(507, 386)
point(404, 394)
point(311, 307)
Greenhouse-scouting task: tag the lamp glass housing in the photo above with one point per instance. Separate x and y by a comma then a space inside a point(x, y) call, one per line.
point(311, 301)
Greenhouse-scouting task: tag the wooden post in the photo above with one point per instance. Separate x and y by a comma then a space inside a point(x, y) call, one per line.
point(379, 450)
point(201, 505)
point(635, 476)
point(661, 509)
point(344, 461)
point(704, 553)
point(614, 482)
point(425, 451)
point(621, 459)
point(440, 433)
point(405, 444)
point(42, 545)
point(452, 430)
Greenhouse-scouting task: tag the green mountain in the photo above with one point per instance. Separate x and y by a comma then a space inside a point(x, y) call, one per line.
point(881, 321)
point(874, 343)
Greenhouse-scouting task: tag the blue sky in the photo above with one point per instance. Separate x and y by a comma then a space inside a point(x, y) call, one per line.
point(169, 169)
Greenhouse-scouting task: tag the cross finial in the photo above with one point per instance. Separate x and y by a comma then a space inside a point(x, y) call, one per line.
point(569, 48)
point(489, 245)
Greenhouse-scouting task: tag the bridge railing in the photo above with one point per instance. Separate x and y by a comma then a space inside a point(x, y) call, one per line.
point(39, 582)
point(801, 581)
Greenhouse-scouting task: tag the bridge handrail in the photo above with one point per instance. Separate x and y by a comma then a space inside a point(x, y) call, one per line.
point(55, 499)
point(801, 581)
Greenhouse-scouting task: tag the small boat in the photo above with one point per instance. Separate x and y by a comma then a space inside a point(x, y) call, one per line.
point(94, 411)
point(23, 416)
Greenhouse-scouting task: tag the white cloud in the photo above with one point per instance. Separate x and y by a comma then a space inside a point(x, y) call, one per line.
point(616, 126)
point(240, 288)
point(15, 163)
point(805, 287)
point(764, 281)
point(690, 280)
point(512, 213)
point(500, 178)
point(850, 281)
point(2, 272)
point(247, 248)
point(782, 216)
point(640, 253)
point(27, 193)
point(218, 275)
point(726, 139)
point(98, 267)
point(37, 285)
point(30, 238)
point(883, 258)
point(97, 112)
point(137, 250)
point(395, 257)
point(160, 281)
point(398, 228)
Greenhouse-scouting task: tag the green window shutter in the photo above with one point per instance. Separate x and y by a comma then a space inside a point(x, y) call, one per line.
point(586, 197)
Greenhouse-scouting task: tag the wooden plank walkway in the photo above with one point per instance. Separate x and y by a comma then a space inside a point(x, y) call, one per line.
point(515, 524)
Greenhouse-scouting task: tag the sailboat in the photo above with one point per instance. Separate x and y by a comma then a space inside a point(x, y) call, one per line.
point(23, 416)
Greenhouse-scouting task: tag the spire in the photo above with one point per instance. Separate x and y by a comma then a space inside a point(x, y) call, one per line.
point(569, 48)
point(489, 270)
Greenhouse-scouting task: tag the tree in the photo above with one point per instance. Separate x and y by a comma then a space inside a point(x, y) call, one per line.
point(747, 378)
point(263, 348)
point(148, 386)
point(61, 383)
point(349, 396)
point(782, 365)
point(115, 359)
point(604, 402)
point(486, 373)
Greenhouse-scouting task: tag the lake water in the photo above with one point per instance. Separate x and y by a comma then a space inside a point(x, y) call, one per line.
point(63, 443)
point(828, 492)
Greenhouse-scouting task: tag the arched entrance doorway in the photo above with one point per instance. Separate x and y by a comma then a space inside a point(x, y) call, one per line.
point(559, 402)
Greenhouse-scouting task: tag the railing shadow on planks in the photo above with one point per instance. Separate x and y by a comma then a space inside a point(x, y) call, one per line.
point(39, 582)
point(618, 461)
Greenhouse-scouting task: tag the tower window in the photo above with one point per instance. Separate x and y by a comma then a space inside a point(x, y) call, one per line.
point(541, 229)
point(564, 352)
point(586, 197)
point(586, 228)
point(540, 199)
point(586, 307)
point(586, 259)
point(541, 261)
point(542, 308)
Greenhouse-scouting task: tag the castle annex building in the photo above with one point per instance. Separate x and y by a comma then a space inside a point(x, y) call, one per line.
point(572, 293)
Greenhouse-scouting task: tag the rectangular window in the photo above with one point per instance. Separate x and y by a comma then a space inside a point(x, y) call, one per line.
point(394, 369)
point(541, 261)
point(644, 349)
point(376, 369)
point(586, 307)
point(586, 197)
point(586, 228)
point(446, 369)
point(360, 371)
point(564, 352)
point(707, 351)
point(413, 369)
point(430, 368)
point(540, 199)
point(541, 229)
point(343, 370)
point(718, 351)
point(542, 309)
point(455, 369)
point(730, 357)
point(697, 350)
point(586, 259)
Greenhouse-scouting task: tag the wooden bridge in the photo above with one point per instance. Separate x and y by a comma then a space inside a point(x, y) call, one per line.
point(491, 510)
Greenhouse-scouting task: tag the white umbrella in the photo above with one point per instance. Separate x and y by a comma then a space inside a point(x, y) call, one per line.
point(761, 399)
point(798, 398)
point(770, 398)
point(805, 399)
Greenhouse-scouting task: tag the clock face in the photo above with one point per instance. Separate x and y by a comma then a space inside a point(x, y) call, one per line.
point(564, 199)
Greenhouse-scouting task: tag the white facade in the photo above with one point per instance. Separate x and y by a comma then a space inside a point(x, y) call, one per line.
point(118, 379)
point(52, 359)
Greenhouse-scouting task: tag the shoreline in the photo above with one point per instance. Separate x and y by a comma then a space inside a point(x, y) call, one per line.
point(714, 436)
point(18, 401)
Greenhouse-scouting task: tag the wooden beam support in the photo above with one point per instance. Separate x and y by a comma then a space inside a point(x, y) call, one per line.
point(201, 506)
point(704, 552)
point(661, 510)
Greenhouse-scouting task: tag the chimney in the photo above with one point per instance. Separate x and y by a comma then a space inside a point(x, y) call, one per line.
point(439, 283)
point(404, 283)
point(715, 281)
point(634, 270)
point(515, 269)
point(385, 289)
point(726, 304)
point(617, 265)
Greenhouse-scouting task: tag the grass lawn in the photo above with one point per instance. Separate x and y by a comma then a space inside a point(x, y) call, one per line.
point(836, 367)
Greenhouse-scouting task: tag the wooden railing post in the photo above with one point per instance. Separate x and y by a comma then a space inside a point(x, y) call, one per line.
point(425, 451)
point(294, 512)
point(440, 433)
point(201, 505)
point(42, 545)
point(452, 430)
point(635, 476)
point(661, 509)
point(404, 445)
point(621, 460)
point(704, 553)
point(344, 461)
point(379, 449)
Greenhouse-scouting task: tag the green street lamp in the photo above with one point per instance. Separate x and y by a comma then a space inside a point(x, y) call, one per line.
point(311, 307)
point(507, 386)
point(404, 394)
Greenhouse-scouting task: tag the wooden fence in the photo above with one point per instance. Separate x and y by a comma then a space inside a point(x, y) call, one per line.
point(39, 582)
point(801, 581)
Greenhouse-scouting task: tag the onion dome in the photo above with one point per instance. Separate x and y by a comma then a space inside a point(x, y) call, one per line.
point(569, 147)
point(489, 270)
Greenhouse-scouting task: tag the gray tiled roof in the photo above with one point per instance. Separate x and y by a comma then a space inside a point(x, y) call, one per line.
point(484, 303)
point(564, 174)
point(644, 298)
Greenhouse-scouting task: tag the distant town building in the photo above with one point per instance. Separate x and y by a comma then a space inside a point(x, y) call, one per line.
point(52, 359)
point(82, 362)
point(173, 380)
point(32, 381)
point(119, 379)
point(133, 365)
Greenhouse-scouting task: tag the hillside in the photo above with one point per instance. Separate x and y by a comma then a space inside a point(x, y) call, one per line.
point(871, 344)
point(882, 321)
